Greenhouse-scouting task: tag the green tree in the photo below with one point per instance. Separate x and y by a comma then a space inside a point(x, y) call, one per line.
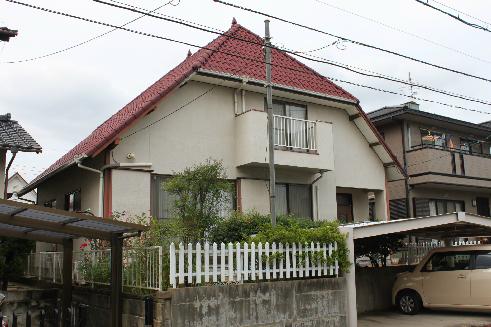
point(378, 249)
point(200, 192)
point(12, 258)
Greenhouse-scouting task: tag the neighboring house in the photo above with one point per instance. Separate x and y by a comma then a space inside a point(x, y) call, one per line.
point(448, 162)
point(16, 183)
point(330, 160)
point(15, 139)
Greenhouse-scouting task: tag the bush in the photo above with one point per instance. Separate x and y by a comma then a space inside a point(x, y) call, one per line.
point(294, 232)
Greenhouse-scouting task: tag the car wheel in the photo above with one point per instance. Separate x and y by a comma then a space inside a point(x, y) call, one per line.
point(409, 303)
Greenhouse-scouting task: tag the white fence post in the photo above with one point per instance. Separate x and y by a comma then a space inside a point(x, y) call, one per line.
point(245, 266)
point(287, 260)
point(215, 263)
point(253, 261)
point(198, 263)
point(172, 268)
point(266, 252)
point(230, 262)
point(207, 262)
point(181, 263)
point(238, 262)
point(222, 262)
point(260, 260)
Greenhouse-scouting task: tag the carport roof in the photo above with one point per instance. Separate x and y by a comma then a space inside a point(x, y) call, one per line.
point(38, 223)
point(457, 224)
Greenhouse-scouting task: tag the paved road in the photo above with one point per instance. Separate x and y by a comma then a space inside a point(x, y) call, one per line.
point(425, 318)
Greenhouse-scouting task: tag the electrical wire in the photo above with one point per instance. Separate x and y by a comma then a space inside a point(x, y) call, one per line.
point(88, 40)
point(477, 26)
point(461, 12)
point(235, 55)
point(400, 30)
point(312, 58)
point(392, 52)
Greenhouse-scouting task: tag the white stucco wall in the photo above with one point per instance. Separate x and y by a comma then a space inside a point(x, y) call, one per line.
point(131, 192)
point(194, 131)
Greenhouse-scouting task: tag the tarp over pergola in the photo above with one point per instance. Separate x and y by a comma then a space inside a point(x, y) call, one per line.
point(32, 222)
point(447, 226)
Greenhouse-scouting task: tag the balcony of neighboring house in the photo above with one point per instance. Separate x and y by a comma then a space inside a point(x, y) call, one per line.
point(299, 142)
point(450, 160)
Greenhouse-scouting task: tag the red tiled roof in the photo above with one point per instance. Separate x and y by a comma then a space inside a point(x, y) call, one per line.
point(286, 71)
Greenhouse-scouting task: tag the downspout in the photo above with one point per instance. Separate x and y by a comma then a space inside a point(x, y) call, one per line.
point(6, 182)
point(101, 185)
point(321, 172)
point(101, 177)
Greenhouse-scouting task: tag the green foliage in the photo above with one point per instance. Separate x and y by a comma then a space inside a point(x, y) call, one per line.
point(200, 192)
point(377, 249)
point(295, 232)
point(12, 258)
point(238, 227)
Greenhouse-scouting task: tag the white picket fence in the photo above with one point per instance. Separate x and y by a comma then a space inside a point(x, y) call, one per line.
point(194, 265)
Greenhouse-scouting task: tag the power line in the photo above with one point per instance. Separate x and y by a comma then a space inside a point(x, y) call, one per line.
point(234, 55)
point(477, 26)
point(400, 30)
point(392, 52)
point(298, 54)
point(461, 12)
point(88, 40)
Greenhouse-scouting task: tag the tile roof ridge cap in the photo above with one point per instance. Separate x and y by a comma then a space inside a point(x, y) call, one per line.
point(216, 44)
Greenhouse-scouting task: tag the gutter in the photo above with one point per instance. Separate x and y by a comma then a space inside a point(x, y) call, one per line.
point(6, 182)
point(278, 87)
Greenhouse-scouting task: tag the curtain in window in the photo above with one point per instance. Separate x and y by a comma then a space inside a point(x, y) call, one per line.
point(281, 201)
point(300, 200)
point(162, 201)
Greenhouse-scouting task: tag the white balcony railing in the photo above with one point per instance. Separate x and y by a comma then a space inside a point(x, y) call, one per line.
point(294, 133)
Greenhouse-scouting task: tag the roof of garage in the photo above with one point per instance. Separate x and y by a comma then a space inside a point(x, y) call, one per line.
point(457, 224)
point(27, 221)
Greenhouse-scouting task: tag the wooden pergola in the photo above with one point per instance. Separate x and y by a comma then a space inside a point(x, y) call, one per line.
point(32, 222)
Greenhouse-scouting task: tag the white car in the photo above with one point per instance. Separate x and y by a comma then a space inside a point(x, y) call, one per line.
point(457, 277)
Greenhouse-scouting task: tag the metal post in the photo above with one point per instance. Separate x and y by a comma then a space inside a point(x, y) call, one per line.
point(269, 101)
point(66, 300)
point(116, 280)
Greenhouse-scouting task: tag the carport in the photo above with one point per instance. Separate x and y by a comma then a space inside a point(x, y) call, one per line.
point(442, 227)
point(32, 222)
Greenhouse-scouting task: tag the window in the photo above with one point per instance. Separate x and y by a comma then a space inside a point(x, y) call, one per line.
point(436, 139)
point(483, 260)
point(163, 202)
point(448, 261)
point(291, 129)
point(295, 199)
point(439, 207)
point(73, 201)
point(50, 203)
point(344, 203)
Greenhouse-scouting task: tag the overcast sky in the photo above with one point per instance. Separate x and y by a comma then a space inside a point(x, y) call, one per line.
point(62, 98)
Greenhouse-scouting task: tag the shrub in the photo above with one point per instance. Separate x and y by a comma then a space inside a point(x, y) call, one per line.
point(294, 232)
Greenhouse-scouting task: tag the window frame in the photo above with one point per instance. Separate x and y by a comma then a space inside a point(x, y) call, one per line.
point(153, 206)
point(288, 204)
point(66, 204)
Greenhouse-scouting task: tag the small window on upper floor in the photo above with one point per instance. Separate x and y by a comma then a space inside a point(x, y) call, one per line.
point(292, 110)
point(73, 201)
point(50, 203)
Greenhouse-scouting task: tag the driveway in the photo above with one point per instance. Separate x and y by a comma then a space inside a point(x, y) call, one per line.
point(425, 318)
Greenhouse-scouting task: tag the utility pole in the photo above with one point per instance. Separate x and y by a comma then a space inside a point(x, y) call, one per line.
point(269, 102)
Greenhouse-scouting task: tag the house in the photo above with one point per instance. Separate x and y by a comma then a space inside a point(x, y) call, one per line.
point(330, 160)
point(448, 162)
point(16, 183)
point(15, 139)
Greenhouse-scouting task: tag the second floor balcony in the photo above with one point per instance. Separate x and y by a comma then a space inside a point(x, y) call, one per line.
point(298, 142)
point(430, 164)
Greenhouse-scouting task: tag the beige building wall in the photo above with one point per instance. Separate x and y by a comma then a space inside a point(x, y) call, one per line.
point(206, 128)
point(131, 192)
